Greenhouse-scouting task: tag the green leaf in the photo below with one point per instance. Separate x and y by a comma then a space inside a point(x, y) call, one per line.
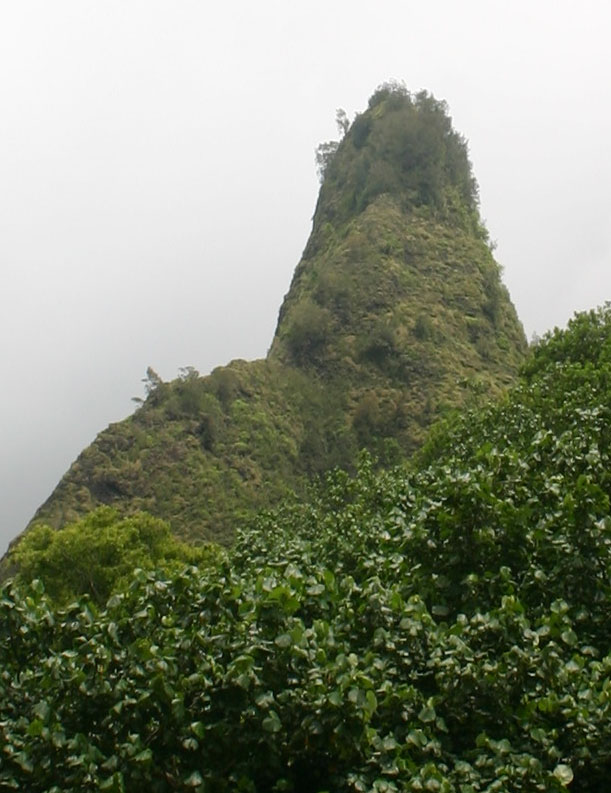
point(569, 637)
point(372, 702)
point(35, 728)
point(198, 728)
point(564, 773)
point(427, 714)
point(272, 722)
point(114, 784)
point(194, 779)
point(265, 699)
point(24, 762)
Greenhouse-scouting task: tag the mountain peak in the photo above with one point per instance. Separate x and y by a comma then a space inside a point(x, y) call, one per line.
point(397, 245)
point(403, 145)
point(395, 312)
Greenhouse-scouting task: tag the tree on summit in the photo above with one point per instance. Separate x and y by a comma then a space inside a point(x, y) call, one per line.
point(326, 151)
point(324, 154)
point(342, 121)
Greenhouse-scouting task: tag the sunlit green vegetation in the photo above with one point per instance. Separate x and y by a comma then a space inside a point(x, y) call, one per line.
point(97, 555)
point(439, 627)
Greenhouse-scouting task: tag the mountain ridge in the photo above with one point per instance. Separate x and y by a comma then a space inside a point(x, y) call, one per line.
point(396, 312)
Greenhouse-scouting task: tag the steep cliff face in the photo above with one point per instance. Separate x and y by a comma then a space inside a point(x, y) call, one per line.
point(397, 300)
point(396, 311)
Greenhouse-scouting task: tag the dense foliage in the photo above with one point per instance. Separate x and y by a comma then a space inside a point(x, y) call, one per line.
point(402, 145)
point(395, 313)
point(97, 555)
point(444, 629)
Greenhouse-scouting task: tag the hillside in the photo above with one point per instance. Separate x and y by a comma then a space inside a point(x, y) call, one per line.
point(396, 312)
point(441, 628)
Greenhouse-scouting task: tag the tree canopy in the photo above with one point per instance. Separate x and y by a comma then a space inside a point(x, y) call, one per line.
point(440, 628)
point(96, 555)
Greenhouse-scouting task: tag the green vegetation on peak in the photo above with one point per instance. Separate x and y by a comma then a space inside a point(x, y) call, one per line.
point(395, 291)
point(397, 240)
point(403, 145)
point(396, 313)
point(438, 628)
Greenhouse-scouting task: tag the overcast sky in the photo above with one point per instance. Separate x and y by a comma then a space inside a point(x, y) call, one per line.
point(157, 180)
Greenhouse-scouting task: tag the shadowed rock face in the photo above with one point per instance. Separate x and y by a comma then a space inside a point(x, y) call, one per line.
point(395, 312)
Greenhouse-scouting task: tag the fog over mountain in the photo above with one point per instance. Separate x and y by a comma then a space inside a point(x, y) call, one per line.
point(158, 182)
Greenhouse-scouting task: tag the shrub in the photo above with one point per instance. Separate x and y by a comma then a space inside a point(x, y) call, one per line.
point(97, 555)
point(308, 331)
